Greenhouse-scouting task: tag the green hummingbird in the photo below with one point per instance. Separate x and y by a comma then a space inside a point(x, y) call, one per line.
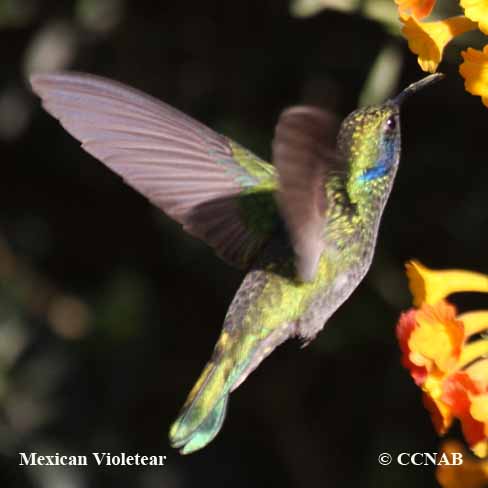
point(304, 228)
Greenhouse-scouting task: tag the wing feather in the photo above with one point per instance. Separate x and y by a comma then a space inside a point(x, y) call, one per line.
point(182, 166)
point(304, 153)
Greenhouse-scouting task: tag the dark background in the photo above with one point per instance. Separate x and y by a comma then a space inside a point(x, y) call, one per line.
point(108, 312)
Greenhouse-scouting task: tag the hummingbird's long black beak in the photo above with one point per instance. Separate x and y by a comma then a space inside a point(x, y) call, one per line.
point(418, 85)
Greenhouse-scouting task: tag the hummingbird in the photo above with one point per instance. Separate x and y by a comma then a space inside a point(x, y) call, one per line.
point(303, 228)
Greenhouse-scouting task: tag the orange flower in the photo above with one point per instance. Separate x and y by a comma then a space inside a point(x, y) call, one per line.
point(460, 394)
point(437, 339)
point(428, 39)
point(431, 340)
point(477, 10)
point(474, 70)
point(443, 360)
point(418, 8)
point(404, 329)
point(430, 286)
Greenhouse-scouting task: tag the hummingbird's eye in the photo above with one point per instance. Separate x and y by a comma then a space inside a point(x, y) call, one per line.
point(391, 123)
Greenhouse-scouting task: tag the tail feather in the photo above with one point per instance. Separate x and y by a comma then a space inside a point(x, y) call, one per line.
point(204, 411)
point(207, 430)
point(233, 360)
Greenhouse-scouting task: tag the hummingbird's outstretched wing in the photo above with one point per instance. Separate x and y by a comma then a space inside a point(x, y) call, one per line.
point(304, 153)
point(201, 179)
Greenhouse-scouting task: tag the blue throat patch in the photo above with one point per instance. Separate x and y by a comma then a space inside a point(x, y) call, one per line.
point(384, 163)
point(379, 170)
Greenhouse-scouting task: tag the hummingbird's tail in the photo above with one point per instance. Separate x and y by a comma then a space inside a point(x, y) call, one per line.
point(237, 353)
point(203, 413)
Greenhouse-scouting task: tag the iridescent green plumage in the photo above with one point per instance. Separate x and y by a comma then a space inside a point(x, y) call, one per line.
point(272, 303)
point(305, 228)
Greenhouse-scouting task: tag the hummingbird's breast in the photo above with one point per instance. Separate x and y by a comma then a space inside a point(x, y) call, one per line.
point(346, 270)
point(271, 295)
point(350, 240)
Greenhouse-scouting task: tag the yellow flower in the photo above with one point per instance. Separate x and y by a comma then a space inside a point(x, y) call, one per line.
point(418, 8)
point(436, 340)
point(472, 473)
point(474, 322)
point(428, 39)
point(430, 286)
point(440, 413)
point(478, 372)
point(474, 70)
point(445, 357)
point(477, 10)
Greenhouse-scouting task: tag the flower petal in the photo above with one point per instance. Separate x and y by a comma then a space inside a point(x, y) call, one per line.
point(418, 8)
point(474, 322)
point(404, 329)
point(474, 70)
point(477, 10)
point(474, 433)
point(481, 450)
point(439, 350)
point(438, 337)
point(479, 407)
point(430, 286)
point(472, 351)
point(456, 393)
point(440, 413)
point(478, 372)
point(428, 39)
point(459, 391)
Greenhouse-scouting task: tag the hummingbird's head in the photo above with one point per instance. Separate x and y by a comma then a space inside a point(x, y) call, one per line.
point(369, 139)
